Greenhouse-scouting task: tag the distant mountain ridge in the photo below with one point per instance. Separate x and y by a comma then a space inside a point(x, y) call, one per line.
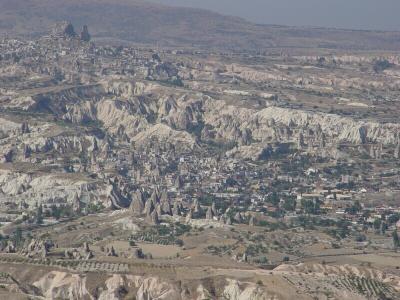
point(148, 23)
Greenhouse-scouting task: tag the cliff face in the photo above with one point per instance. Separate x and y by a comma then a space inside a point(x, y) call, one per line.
point(284, 282)
point(134, 107)
point(61, 285)
point(267, 123)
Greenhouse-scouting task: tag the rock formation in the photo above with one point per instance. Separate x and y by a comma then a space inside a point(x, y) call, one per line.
point(153, 218)
point(137, 207)
point(85, 35)
point(209, 214)
point(64, 29)
point(148, 207)
point(252, 221)
point(238, 217)
point(111, 251)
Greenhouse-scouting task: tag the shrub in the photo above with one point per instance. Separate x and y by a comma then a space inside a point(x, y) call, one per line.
point(381, 65)
point(179, 242)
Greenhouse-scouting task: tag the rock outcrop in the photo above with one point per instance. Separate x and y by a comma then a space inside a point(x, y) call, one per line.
point(64, 29)
point(85, 35)
point(63, 285)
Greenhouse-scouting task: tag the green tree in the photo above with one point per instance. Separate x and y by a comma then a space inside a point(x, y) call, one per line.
point(393, 218)
point(39, 215)
point(384, 227)
point(396, 240)
point(310, 206)
point(343, 228)
point(377, 224)
point(55, 212)
point(273, 198)
point(17, 236)
point(355, 208)
point(381, 65)
point(289, 204)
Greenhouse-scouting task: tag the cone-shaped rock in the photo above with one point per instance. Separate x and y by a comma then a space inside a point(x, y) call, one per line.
point(214, 209)
point(238, 217)
point(252, 221)
point(148, 207)
point(189, 216)
point(154, 218)
point(158, 209)
point(164, 196)
point(154, 198)
point(209, 214)
point(166, 208)
point(137, 206)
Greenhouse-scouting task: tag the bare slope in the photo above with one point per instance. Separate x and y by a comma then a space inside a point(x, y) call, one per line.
point(143, 22)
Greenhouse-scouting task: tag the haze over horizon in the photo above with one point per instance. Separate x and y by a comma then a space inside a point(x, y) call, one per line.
point(346, 14)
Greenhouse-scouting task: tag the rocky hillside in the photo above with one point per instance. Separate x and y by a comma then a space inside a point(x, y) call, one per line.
point(307, 282)
point(140, 21)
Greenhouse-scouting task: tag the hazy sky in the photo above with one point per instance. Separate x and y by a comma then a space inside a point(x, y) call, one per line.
point(355, 14)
